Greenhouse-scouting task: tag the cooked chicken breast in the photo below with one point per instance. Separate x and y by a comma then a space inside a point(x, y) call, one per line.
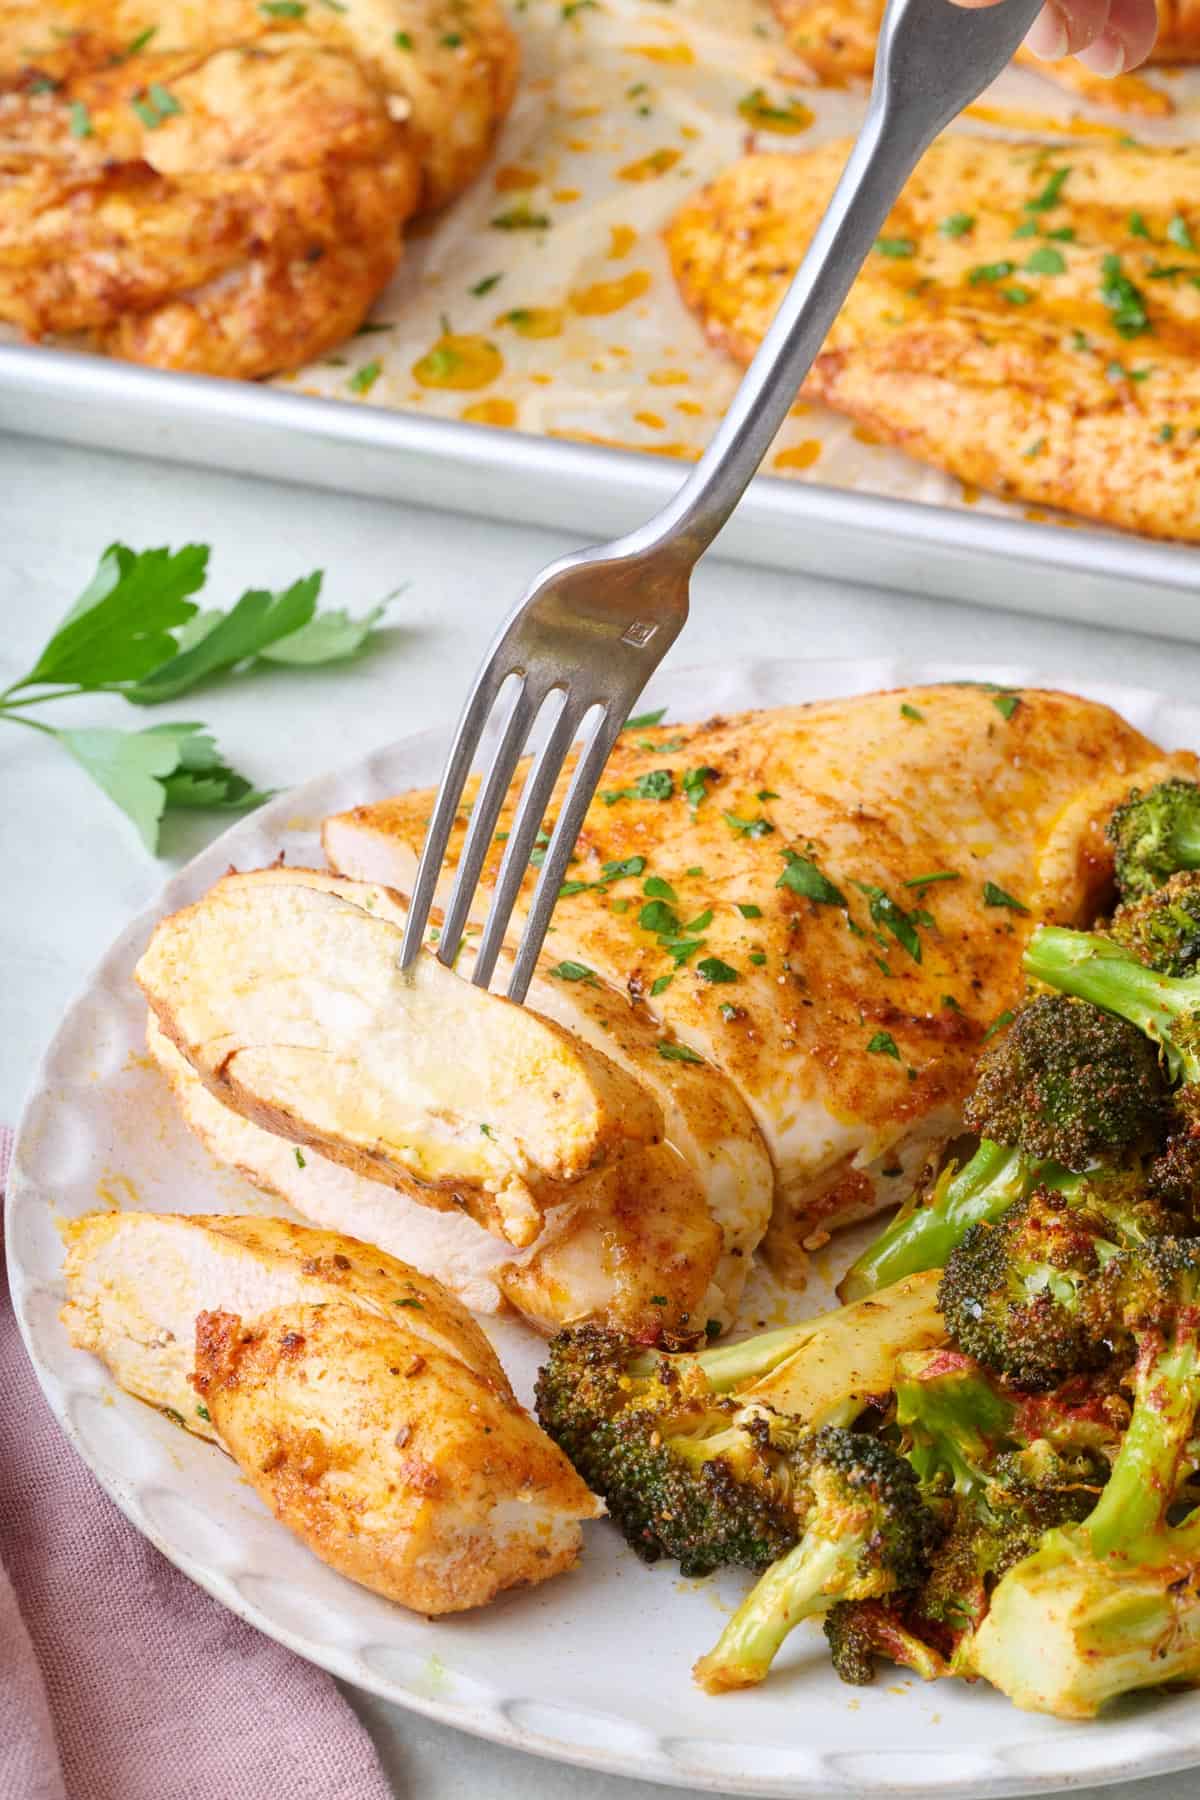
point(222, 187)
point(447, 1245)
point(289, 1002)
point(659, 1237)
point(359, 1399)
point(835, 40)
point(137, 1281)
point(1029, 320)
point(400, 1466)
point(802, 955)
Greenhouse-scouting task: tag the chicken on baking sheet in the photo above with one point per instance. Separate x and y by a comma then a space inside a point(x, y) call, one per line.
point(826, 905)
point(1029, 319)
point(835, 40)
point(223, 187)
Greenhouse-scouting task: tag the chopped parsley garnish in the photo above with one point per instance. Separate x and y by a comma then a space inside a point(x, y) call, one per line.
point(451, 40)
point(660, 985)
point(658, 889)
point(694, 870)
point(282, 9)
point(665, 746)
point(911, 712)
point(521, 218)
point(575, 971)
point(489, 281)
point(891, 918)
point(758, 958)
point(694, 783)
point(1027, 228)
point(616, 871)
point(81, 120)
point(1126, 302)
point(924, 881)
point(751, 828)
point(1050, 194)
point(748, 911)
point(1137, 226)
point(714, 970)
point(1045, 260)
point(364, 378)
point(949, 1001)
point(657, 916)
point(1035, 450)
point(658, 784)
point(403, 41)
point(203, 1413)
point(620, 906)
point(989, 272)
point(140, 41)
point(300, 1162)
point(765, 794)
point(729, 1011)
point(957, 225)
point(1019, 296)
point(415, 1304)
point(996, 896)
point(1007, 704)
point(998, 1024)
point(1065, 234)
point(678, 1053)
point(487, 1132)
point(572, 887)
point(895, 247)
point(883, 1044)
point(701, 922)
point(803, 877)
point(1178, 232)
point(1166, 434)
point(643, 721)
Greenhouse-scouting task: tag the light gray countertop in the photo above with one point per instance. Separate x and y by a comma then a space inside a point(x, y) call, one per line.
point(74, 871)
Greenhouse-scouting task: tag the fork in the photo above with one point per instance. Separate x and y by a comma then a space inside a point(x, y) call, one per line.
point(595, 625)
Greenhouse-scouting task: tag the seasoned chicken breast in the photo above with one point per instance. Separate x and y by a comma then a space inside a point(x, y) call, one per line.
point(851, 887)
point(222, 187)
point(398, 1465)
point(137, 1281)
point(359, 1399)
point(1029, 320)
point(289, 1001)
point(659, 1236)
point(835, 40)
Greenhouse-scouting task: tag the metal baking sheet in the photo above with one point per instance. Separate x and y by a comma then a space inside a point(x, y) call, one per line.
point(565, 329)
point(1102, 577)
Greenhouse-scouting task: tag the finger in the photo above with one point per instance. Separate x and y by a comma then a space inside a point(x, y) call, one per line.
point(1127, 39)
point(1065, 27)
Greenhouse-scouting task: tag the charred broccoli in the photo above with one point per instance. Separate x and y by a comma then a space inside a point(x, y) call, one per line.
point(1111, 1604)
point(867, 1534)
point(695, 1454)
point(1067, 1087)
point(1166, 1008)
point(1162, 929)
point(1037, 1295)
point(1155, 834)
point(859, 1631)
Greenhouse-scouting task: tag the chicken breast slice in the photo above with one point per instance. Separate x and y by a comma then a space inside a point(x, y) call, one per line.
point(289, 1001)
point(397, 1464)
point(840, 992)
point(136, 1283)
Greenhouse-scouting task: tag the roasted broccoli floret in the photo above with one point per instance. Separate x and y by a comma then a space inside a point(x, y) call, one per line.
point(1112, 1604)
point(1166, 1008)
point(1065, 1088)
point(1155, 834)
point(860, 1631)
point(1068, 1083)
point(1162, 929)
point(694, 1453)
point(867, 1534)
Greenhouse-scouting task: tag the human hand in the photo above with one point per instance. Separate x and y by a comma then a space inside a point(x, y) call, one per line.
point(1107, 36)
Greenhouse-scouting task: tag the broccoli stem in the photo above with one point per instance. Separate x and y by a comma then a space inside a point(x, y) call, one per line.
point(733, 1365)
point(800, 1584)
point(1095, 969)
point(984, 1188)
point(1153, 1453)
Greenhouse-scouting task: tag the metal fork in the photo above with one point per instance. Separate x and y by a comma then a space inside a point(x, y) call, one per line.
point(594, 626)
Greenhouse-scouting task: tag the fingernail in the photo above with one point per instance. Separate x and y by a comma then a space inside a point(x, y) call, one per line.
point(1047, 37)
point(1105, 57)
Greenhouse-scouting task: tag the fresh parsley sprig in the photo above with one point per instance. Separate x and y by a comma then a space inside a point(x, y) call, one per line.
point(136, 631)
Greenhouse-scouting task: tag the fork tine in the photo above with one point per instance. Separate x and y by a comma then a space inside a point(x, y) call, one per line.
point(466, 741)
point(587, 774)
point(483, 817)
point(531, 808)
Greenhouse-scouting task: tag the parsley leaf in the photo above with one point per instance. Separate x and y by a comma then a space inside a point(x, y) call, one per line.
point(803, 877)
point(119, 628)
point(678, 1053)
point(575, 971)
point(714, 970)
point(957, 225)
point(616, 871)
point(144, 772)
point(891, 918)
point(751, 828)
point(883, 1044)
point(1126, 302)
point(252, 625)
point(898, 248)
point(642, 721)
point(657, 888)
point(996, 896)
point(657, 916)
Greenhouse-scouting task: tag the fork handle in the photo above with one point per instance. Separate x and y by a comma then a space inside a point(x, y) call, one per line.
point(933, 58)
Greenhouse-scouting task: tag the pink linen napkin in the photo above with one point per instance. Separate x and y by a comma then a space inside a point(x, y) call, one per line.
point(119, 1678)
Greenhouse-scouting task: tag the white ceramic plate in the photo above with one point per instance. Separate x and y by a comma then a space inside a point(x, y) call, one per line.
point(592, 1668)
